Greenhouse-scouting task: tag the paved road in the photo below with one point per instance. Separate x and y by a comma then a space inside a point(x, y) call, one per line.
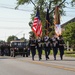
point(25, 66)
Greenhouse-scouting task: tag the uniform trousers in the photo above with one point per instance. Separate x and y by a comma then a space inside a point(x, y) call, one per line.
point(33, 51)
point(61, 50)
point(55, 51)
point(39, 52)
point(47, 52)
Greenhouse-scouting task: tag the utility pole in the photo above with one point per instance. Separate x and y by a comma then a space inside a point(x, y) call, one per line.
point(67, 45)
point(24, 37)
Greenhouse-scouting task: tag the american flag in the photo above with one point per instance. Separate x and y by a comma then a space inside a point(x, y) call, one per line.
point(37, 25)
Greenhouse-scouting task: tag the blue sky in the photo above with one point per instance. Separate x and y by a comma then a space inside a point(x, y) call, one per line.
point(70, 12)
point(15, 22)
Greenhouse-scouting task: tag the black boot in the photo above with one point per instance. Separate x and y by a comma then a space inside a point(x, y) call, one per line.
point(61, 57)
point(32, 58)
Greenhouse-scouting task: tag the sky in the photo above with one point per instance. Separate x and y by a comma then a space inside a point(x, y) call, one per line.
point(15, 22)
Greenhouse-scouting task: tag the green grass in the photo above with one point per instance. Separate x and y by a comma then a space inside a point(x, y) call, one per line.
point(70, 55)
point(43, 52)
point(66, 53)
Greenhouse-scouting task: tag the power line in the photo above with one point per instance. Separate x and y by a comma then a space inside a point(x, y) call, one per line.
point(19, 32)
point(70, 11)
point(70, 7)
point(12, 18)
point(13, 28)
point(30, 10)
point(26, 10)
point(12, 21)
point(15, 9)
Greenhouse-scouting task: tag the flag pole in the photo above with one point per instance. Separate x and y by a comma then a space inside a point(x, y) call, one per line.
point(47, 21)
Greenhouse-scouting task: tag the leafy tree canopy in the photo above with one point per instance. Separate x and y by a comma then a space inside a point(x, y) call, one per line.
point(10, 38)
point(44, 4)
point(69, 33)
point(73, 2)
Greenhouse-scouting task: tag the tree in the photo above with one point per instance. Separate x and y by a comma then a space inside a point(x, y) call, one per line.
point(2, 41)
point(23, 39)
point(10, 38)
point(69, 33)
point(44, 4)
point(73, 2)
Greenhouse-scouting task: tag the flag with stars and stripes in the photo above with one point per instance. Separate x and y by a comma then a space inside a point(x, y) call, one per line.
point(37, 25)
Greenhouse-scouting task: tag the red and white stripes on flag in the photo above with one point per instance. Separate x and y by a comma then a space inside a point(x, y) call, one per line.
point(37, 25)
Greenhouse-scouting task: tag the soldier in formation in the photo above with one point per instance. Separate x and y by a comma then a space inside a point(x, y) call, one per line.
point(47, 43)
point(39, 47)
point(32, 46)
point(61, 47)
point(47, 46)
point(55, 46)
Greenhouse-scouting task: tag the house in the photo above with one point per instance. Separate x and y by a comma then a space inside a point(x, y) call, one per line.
point(72, 20)
point(68, 46)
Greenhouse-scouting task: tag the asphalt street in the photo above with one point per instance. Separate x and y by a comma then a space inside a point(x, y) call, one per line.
point(25, 66)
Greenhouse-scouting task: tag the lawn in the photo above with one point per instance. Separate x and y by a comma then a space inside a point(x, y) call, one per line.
point(66, 53)
point(70, 53)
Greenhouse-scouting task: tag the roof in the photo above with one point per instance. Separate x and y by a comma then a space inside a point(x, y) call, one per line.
point(18, 41)
point(72, 20)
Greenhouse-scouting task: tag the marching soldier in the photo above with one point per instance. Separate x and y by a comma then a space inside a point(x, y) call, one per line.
point(61, 47)
point(2, 49)
point(32, 45)
point(39, 47)
point(47, 46)
point(55, 46)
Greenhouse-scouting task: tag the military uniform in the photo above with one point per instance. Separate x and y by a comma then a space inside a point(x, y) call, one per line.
point(39, 47)
point(47, 46)
point(55, 46)
point(61, 47)
point(32, 45)
point(2, 49)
